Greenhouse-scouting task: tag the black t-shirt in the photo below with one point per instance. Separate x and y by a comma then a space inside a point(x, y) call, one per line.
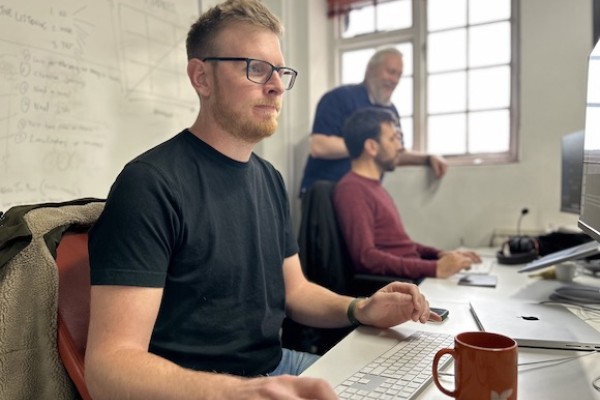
point(213, 232)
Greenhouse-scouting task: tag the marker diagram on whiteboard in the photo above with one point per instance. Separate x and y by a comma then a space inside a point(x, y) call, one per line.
point(84, 87)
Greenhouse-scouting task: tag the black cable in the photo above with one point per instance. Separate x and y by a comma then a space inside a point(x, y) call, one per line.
point(565, 302)
point(578, 294)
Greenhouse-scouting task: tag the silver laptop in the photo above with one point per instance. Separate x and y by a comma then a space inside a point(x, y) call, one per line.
point(535, 325)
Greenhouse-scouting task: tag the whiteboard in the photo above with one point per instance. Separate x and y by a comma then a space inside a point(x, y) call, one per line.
point(86, 85)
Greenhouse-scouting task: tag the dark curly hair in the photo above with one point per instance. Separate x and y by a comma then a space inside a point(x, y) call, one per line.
point(364, 124)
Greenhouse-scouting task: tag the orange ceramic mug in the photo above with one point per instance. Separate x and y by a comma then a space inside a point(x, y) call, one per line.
point(485, 367)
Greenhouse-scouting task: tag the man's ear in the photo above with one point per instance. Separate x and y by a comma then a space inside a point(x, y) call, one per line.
point(196, 70)
point(371, 147)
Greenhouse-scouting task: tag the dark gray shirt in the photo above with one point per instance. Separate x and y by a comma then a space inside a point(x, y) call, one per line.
point(213, 232)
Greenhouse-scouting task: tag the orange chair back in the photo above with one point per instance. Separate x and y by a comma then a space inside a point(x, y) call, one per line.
point(73, 305)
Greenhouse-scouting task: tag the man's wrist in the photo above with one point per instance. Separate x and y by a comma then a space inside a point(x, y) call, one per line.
point(351, 312)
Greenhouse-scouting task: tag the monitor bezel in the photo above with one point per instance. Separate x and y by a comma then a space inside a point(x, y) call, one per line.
point(568, 156)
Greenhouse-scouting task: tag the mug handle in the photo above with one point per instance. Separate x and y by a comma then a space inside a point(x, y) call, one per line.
point(436, 360)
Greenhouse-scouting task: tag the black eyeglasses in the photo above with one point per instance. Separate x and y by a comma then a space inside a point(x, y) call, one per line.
point(259, 71)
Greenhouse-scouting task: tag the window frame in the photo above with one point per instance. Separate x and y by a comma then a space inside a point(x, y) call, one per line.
point(417, 35)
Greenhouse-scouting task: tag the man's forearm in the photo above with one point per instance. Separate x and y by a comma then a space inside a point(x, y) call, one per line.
point(142, 375)
point(317, 306)
point(409, 157)
point(327, 146)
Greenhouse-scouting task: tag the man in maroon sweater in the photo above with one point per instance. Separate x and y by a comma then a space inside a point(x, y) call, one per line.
point(371, 225)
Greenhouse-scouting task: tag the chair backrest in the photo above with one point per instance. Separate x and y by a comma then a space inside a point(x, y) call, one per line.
point(323, 252)
point(73, 305)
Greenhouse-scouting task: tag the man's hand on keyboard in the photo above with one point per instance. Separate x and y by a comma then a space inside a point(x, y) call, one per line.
point(471, 255)
point(451, 262)
point(394, 304)
point(284, 387)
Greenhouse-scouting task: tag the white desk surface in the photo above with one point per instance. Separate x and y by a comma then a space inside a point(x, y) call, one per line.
point(569, 379)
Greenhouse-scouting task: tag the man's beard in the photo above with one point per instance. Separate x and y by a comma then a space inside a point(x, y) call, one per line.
point(382, 98)
point(379, 92)
point(240, 127)
point(386, 165)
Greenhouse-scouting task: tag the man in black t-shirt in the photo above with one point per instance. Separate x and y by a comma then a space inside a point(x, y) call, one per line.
point(193, 261)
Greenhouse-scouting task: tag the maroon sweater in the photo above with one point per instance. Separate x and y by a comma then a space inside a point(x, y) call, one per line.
point(374, 233)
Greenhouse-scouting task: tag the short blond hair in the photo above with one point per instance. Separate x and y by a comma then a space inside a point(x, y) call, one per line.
point(201, 41)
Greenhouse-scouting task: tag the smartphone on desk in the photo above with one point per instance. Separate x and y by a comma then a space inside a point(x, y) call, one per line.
point(442, 312)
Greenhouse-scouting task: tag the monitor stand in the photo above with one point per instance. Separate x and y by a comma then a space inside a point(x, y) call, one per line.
point(572, 253)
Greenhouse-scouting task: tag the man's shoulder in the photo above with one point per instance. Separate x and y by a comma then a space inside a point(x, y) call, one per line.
point(346, 98)
point(355, 185)
point(165, 149)
point(169, 160)
point(346, 179)
point(266, 168)
point(350, 183)
point(353, 192)
point(345, 90)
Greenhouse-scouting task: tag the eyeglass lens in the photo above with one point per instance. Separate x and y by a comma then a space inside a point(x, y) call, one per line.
point(260, 72)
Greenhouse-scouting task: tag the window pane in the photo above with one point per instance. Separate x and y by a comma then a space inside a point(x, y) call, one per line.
point(359, 21)
point(407, 56)
point(443, 14)
point(447, 134)
point(408, 132)
point(489, 88)
point(489, 131)
point(354, 64)
point(447, 50)
point(489, 44)
point(394, 15)
point(447, 92)
point(467, 64)
point(403, 96)
point(488, 10)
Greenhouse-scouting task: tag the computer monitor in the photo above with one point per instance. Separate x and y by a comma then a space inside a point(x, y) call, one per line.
point(589, 215)
point(571, 172)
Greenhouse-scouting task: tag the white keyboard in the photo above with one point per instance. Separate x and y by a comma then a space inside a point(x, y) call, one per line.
point(400, 373)
point(482, 268)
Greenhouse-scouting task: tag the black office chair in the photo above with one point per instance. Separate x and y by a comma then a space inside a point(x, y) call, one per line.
point(323, 252)
point(326, 261)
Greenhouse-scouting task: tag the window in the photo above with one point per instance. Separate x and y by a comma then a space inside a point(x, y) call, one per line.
point(457, 97)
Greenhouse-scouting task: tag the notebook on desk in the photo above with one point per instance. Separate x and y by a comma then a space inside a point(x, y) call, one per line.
point(535, 325)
